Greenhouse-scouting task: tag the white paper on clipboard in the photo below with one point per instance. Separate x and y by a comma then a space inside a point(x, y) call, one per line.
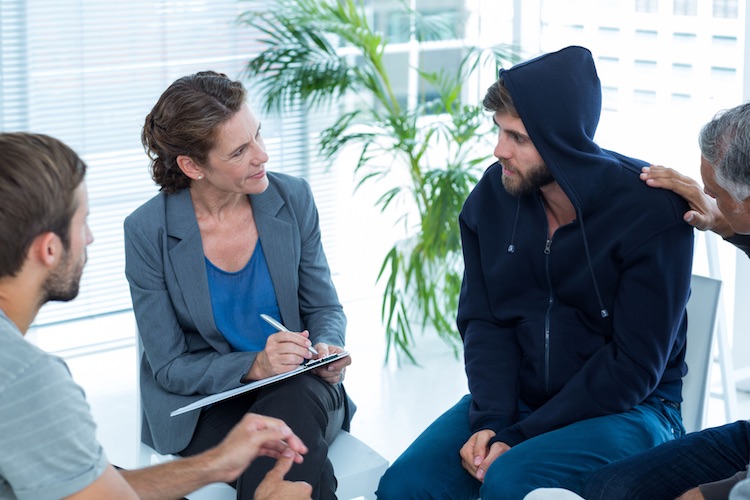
point(215, 398)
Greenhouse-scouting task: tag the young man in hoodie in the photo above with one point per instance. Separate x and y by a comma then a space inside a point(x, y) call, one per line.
point(711, 464)
point(47, 435)
point(572, 308)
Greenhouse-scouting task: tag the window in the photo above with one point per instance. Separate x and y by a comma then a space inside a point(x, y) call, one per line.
point(609, 32)
point(724, 42)
point(661, 59)
point(644, 42)
point(608, 62)
point(610, 97)
point(644, 98)
point(723, 77)
point(681, 70)
point(611, 5)
point(432, 61)
point(645, 74)
point(685, 7)
point(646, 35)
point(88, 72)
point(453, 9)
point(684, 41)
point(571, 31)
point(397, 66)
point(390, 19)
point(647, 6)
point(727, 9)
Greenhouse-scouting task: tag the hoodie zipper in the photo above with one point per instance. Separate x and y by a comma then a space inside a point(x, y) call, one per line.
point(550, 300)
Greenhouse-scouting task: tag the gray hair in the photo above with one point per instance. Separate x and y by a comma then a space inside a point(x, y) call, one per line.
point(725, 144)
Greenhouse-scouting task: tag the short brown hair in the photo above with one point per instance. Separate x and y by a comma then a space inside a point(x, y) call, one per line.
point(39, 176)
point(498, 99)
point(185, 121)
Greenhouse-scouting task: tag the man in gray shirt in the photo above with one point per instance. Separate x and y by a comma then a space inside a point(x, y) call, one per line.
point(47, 435)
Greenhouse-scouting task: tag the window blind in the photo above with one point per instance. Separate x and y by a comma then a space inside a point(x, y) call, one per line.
point(88, 72)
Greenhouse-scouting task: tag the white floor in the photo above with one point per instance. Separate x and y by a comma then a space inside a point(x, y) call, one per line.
point(394, 403)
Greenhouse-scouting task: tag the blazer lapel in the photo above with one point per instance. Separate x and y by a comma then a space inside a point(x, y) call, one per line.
point(189, 268)
point(277, 239)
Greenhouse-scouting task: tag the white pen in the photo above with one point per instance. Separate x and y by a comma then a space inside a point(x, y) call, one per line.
point(268, 319)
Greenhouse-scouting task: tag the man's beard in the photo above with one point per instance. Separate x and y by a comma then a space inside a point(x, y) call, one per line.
point(534, 178)
point(63, 283)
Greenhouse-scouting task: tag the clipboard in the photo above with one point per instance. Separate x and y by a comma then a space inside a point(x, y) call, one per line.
point(215, 398)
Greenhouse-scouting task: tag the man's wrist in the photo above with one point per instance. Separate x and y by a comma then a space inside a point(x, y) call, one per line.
point(208, 466)
point(724, 230)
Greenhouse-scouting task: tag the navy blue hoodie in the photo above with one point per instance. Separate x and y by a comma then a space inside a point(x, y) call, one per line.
point(591, 322)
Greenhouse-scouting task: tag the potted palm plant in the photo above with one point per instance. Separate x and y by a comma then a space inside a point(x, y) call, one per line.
point(317, 51)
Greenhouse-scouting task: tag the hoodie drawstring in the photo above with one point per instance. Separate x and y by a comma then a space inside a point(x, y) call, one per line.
point(511, 246)
point(603, 311)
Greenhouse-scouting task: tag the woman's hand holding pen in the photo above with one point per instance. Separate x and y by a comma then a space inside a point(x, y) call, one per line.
point(284, 352)
point(332, 373)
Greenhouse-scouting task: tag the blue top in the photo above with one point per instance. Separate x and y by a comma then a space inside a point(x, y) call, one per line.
point(239, 298)
point(591, 321)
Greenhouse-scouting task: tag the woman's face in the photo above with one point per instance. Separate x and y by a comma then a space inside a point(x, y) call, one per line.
point(236, 163)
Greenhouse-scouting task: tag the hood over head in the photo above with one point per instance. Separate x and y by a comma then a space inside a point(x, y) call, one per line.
point(558, 97)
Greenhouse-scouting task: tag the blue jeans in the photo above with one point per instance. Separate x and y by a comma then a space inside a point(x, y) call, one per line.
point(431, 467)
point(669, 470)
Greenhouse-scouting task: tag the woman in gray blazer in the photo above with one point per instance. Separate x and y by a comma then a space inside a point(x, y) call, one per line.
point(223, 242)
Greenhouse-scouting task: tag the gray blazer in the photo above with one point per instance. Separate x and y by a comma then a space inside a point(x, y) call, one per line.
point(185, 356)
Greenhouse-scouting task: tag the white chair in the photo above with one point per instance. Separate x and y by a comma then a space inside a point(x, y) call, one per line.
point(701, 311)
point(358, 470)
point(358, 467)
point(552, 494)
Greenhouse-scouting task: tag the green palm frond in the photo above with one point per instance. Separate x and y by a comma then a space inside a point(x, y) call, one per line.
point(301, 61)
point(315, 52)
point(297, 64)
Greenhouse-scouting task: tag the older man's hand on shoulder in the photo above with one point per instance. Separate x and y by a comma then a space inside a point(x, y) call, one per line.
point(703, 214)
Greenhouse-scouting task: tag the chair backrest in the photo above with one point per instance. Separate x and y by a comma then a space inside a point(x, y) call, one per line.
point(701, 310)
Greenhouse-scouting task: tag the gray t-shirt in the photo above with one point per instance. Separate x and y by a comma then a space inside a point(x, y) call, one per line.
point(47, 434)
